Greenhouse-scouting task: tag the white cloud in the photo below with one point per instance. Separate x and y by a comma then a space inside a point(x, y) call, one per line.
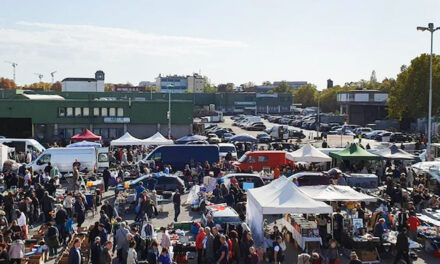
point(55, 39)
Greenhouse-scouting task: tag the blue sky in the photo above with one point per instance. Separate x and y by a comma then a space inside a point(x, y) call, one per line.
point(229, 41)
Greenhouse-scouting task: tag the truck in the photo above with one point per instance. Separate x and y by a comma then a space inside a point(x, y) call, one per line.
point(23, 144)
point(90, 159)
point(262, 160)
point(177, 156)
point(278, 132)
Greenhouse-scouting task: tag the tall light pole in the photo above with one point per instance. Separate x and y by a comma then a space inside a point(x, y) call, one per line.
point(431, 29)
point(169, 110)
point(319, 115)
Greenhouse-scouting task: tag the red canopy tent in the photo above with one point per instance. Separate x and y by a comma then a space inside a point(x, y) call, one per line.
point(85, 135)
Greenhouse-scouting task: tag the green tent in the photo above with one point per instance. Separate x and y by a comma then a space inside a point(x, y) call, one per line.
point(353, 153)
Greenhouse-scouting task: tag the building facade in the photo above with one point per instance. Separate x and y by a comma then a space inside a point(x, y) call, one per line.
point(180, 84)
point(73, 84)
point(363, 106)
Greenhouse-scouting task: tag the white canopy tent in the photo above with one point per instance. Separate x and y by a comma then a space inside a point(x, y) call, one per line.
point(308, 153)
point(430, 167)
point(127, 140)
point(393, 153)
point(279, 197)
point(337, 193)
point(158, 140)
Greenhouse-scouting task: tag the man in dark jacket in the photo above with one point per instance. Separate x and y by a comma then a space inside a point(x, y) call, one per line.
point(75, 253)
point(96, 251)
point(106, 175)
point(176, 202)
point(402, 246)
point(60, 221)
point(47, 207)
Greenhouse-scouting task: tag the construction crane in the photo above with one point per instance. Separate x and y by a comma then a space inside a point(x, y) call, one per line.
point(40, 76)
point(53, 75)
point(14, 64)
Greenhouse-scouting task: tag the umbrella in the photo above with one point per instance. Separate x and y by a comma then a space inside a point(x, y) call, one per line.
point(190, 138)
point(243, 138)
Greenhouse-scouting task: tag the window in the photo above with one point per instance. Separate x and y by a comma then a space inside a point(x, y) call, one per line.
point(263, 159)
point(120, 111)
point(77, 111)
point(112, 133)
point(251, 159)
point(61, 112)
point(85, 111)
point(95, 111)
point(69, 111)
point(44, 159)
point(104, 111)
point(112, 111)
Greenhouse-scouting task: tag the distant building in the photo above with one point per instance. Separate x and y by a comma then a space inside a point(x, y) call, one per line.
point(363, 106)
point(126, 88)
point(294, 85)
point(180, 84)
point(73, 84)
point(329, 83)
point(147, 83)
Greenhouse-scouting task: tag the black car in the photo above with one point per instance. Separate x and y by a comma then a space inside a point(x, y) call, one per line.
point(256, 127)
point(264, 138)
point(164, 183)
point(399, 137)
point(297, 134)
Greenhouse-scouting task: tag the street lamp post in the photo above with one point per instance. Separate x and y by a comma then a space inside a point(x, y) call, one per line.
point(318, 125)
point(431, 29)
point(169, 110)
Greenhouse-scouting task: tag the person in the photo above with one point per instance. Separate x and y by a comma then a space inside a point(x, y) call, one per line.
point(164, 257)
point(278, 254)
point(60, 221)
point(316, 258)
point(132, 254)
point(121, 240)
point(151, 183)
point(139, 189)
point(253, 256)
point(106, 255)
point(338, 225)
point(209, 246)
point(52, 239)
point(153, 253)
point(102, 233)
point(413, 223)
point(245, 244)
point(354, 259)
point(379, 229)
point(21, 220)
point(75, 256)
point(16, 250)
point(80, 211)
point(209, 222)
point(176, 202)
point(324, 144)
point(402, 246)
point(199, 244)
point(223, 252)
point(96, 251)
point(166, 241)
point(332, 253)
point(4, 258)
point(303, 258)
point(234, 247)
point(106, 175)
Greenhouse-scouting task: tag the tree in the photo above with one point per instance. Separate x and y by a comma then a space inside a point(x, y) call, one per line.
point(39, 86)
point(7, 83)
point(328, 98)
point(56, 87)
point(306, 95)
point(209, 88)
point(409, 97)
point(283, 87)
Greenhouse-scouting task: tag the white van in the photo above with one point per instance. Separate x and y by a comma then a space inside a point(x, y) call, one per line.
point(224, 148)
point(23, 144)
point(63, 159)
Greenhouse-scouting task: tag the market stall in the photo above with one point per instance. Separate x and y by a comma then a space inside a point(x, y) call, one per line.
point(157, 140)
point(308, 153)
point(127, 140)
point(86, 135)
point(392, 153)
point(281, 196)
point(337, 193)
point(84, 144)
point(353, 153)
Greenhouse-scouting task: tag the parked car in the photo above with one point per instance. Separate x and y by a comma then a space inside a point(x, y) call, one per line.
point(256, 127)
point(297, 134)
point(244, 177)
point(164, 183)
point(213, 139)
point(227, 136)
point(264, 138)
point(283, 146)
point(362, 131)
point(373, 134)
point(224, 148)
point(384, 136)
point(398, 137)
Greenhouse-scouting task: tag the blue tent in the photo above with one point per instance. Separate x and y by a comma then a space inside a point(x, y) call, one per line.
point(243, 138)
point(84, 144)
point(190, 138)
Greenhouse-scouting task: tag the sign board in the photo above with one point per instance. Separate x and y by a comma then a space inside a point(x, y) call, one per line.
point(117, 120)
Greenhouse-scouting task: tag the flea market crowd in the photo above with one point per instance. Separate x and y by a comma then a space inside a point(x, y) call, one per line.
point(44, 213)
